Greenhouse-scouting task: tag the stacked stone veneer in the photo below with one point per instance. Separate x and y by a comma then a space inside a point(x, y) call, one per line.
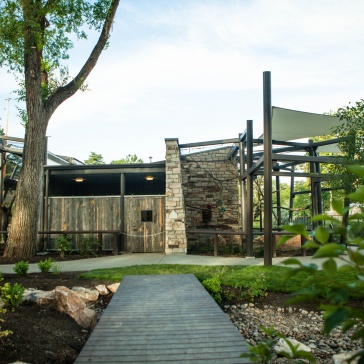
point(210, 181)
point(176, 240)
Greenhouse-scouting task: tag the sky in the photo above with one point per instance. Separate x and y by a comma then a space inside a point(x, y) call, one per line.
point(193, 70)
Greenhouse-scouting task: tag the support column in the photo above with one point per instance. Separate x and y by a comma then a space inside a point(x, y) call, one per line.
point(176, 239)
point(267, 112)
point(249, 183)
point(242, 184)
point(123, 238)
point(291, 197)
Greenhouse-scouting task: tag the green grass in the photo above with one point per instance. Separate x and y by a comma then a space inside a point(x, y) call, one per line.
point(236, 276)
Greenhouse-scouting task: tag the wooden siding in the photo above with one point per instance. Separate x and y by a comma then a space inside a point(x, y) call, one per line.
point(144, 237)
point(84, 213)
point(163, 319)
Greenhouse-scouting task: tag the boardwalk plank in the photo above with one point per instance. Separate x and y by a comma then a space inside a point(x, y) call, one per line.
point(163, 319)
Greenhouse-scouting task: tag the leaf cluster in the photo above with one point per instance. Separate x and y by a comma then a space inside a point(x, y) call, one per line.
point(337, 310)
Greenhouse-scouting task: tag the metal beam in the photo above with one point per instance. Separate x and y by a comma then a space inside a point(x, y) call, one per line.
point(249, 183)
point(212, 142)
point(267, 117)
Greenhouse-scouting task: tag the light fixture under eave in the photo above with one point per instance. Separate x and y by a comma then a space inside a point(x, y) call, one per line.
point(149, 178)
point(79, 179)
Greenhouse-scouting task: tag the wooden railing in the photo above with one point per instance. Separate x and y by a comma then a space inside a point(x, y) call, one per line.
point(115, 234)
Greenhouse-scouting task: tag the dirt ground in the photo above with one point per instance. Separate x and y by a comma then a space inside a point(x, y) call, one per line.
point(40, 334)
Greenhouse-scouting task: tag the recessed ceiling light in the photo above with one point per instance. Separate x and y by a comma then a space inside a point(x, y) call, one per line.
point(149, 178)
point(79, 179)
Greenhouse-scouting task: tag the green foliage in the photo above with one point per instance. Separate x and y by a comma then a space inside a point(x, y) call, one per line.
point(88, 245)
point(95, 158)
point(263, 353)
point(255, 284)
point(129, 159)
point(12, 295)
point(213, 286)
point(337, 312)
point(45, 265)
point(21, 268)
point(63, 243)
point(56, 269)
point(3, 333)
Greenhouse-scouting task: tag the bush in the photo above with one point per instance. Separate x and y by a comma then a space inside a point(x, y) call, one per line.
point(63, 243)
point(213, 286)
point(88, 245)
point(337, 313)
point(3, 312)
point(255, 284)
point(21, 268)
point(45, 265)
point(12, 295)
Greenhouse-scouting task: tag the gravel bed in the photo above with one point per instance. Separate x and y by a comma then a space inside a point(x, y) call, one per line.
point(304, 326)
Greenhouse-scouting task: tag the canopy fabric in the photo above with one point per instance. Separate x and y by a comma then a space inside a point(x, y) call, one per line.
point(292, 125)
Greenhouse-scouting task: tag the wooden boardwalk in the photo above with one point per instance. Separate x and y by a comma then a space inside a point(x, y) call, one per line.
point(163, 319)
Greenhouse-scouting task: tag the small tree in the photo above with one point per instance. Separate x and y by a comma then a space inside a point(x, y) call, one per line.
point(351, 131)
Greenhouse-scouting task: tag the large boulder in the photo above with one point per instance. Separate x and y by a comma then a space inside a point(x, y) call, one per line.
point(38, 296)
point(68, 302)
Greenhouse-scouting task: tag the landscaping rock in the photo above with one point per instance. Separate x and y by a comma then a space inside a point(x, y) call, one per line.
point(87, 295)
point(38, 296)
point(69, 303)
point(113, 287)
point(102, 289)
point(344, 358)
point(283, 347)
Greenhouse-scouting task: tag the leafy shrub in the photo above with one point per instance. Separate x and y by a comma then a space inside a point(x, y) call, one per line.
point(21, 268)
point(88, 245)
point(56, 268)
point(63, 243)
point(213, 286)
point(45, 265)
point(3, 333)
point(12, 295)
point(255, 284)
point(338, 312)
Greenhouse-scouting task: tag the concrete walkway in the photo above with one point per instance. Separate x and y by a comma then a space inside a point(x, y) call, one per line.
point(126, 260)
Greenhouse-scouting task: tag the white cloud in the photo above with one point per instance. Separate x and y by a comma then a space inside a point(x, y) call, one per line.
point(193, 70)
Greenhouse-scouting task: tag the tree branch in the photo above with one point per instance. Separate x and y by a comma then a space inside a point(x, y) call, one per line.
point(65, 92)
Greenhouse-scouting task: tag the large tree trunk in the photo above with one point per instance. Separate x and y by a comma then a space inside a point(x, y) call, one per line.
point(24, 223)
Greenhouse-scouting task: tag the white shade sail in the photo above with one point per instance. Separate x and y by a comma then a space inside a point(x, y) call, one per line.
point(289, 125)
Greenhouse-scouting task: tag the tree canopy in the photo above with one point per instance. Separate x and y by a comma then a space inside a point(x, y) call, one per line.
point(129, 159)
point(95, 158)
point(35, 39)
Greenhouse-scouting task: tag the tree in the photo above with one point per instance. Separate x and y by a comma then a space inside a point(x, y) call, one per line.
point(351, 132)
point(35, 37)
point(95, 158)
point(129, 159)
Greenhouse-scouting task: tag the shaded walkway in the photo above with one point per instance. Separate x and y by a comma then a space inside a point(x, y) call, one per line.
point(160, 319)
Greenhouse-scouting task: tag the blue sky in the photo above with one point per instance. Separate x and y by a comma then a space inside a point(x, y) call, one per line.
point(193, 69)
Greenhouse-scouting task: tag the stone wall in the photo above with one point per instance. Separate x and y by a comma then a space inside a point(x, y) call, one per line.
point(176, 241)
point(210, 183)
